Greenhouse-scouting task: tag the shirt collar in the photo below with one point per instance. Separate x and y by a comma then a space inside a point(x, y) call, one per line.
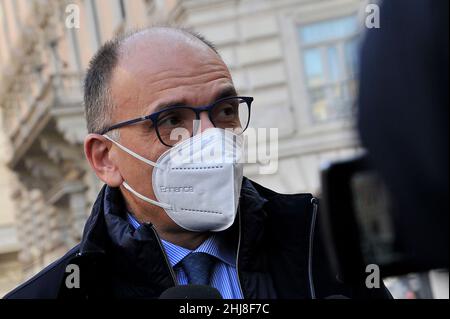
point(217, 247)
point(133, 221)
point(214, 246)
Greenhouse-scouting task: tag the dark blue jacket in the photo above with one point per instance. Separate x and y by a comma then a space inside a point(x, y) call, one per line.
point(279, 254)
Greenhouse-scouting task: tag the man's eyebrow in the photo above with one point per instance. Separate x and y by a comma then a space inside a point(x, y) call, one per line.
point(229, 91)
point(165, 104)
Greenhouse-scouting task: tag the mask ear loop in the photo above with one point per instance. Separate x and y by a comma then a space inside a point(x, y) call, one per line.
point(147, 161)
point(136, 155)
point(146, 199)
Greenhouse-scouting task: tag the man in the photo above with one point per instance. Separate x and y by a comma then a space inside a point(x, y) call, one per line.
point(235, 235)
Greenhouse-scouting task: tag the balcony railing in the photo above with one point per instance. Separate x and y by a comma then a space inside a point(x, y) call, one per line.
point(26, 115)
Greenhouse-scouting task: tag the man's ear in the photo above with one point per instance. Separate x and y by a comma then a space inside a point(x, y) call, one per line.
point(97, 151)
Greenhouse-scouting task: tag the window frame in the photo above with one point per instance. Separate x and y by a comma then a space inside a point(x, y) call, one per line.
point(324, 45)
point(290, 21)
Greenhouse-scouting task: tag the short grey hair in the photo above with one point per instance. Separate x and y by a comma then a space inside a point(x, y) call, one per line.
point(98, 101)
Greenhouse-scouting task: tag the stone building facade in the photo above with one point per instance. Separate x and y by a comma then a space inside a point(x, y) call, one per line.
point(296, 57)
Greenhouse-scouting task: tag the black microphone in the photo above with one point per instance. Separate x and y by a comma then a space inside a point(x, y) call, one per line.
point(191, 292)
point(337, 297)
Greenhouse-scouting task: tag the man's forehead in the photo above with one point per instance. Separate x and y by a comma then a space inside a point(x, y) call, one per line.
point(152, 64)
point(153, 57)
point(162, 47)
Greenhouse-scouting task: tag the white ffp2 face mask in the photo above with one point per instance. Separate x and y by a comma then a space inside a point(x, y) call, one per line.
point(198, 181)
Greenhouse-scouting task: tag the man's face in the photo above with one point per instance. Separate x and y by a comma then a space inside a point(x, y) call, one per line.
point(154, 73)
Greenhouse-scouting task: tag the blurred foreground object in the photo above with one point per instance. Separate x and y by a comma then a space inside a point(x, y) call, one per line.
point(403, 121)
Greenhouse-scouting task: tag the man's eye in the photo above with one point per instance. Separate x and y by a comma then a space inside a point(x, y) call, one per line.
point(227, 111)
point(170, 120)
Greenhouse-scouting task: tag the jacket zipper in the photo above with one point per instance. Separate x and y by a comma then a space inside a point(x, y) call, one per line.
point(172, 273)
point(237, 255)
point(311, 242)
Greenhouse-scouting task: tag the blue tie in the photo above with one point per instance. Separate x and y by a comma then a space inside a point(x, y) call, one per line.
point(198, 268)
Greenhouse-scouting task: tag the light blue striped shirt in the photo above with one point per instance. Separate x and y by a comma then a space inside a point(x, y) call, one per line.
point(224, 275)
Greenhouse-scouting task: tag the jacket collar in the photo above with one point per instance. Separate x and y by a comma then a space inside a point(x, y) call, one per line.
point(108, 222)
point(138, 255)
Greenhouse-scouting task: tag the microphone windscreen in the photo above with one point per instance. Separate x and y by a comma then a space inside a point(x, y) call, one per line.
point(191, 292)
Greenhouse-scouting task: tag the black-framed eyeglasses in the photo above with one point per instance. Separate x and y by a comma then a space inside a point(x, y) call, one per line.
point(174, 123)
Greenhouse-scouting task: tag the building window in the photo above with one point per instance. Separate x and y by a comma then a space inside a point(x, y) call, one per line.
point(95, 21)
point(4, 22)
point(329, 57)
point(75, 49)
point(123, 13)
